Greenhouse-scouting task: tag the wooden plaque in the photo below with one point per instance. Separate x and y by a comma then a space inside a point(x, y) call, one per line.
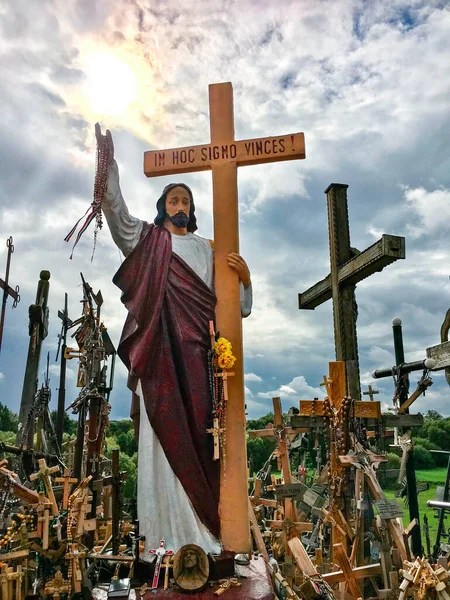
point(363, 410)
point(389, 509)
point(191, 568)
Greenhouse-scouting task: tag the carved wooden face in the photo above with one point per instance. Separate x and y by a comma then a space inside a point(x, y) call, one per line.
point(178, 200)
point(190, 559)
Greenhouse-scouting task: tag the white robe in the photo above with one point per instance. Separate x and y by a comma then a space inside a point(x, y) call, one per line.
point(164, 509)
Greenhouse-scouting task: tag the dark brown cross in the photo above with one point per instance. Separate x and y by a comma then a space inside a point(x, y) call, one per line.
point(7, 290)
point(370, 392)
point(348, 267)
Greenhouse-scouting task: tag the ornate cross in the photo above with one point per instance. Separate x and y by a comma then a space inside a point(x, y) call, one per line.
point(160, 552)
point(223, 156)
point(7, 290)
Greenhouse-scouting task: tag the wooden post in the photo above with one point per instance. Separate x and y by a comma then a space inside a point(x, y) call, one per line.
point(233, 511)
point(223, 155)
point(38, 324)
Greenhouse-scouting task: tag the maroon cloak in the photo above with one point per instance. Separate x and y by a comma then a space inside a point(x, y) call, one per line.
point(164, 343)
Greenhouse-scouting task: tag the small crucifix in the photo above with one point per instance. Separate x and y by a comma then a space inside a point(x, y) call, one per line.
point(216, 431)
point(160, 552)
point(223, 155)
point(7, 290)
point(370, 392)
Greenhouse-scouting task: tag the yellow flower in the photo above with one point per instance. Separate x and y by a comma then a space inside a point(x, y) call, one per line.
point(226, 360)
point(222, 345)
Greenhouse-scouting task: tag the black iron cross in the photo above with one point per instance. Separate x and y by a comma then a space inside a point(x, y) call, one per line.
point(348, 267)
point(7, 290)
point(66, 324)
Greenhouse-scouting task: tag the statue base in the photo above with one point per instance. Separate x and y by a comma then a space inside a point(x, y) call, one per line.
point(254, 578)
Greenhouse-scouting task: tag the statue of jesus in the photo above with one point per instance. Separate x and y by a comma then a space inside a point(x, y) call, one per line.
point(167, 284)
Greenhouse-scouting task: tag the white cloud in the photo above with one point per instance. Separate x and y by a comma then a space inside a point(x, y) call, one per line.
point(295, 390)
point(252, 377)
point(1, 376)
point(432, 209)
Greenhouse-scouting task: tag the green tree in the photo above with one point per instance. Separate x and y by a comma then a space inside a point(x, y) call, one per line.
point(69, 425)
point(122, 426)
point(423, 459)
point(9, 421)
point(261, 422)
point(127, 442)
point(259, 450)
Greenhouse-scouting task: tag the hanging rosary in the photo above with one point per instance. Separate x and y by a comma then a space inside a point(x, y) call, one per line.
point(104, 157)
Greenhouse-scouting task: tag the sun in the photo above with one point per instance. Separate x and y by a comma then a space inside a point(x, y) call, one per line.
point(111, 84)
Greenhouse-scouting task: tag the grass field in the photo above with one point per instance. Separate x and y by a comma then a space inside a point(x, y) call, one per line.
point(434, 477)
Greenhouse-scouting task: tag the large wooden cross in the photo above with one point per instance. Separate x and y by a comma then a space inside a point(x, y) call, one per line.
point(348, 267)
point(222, 156)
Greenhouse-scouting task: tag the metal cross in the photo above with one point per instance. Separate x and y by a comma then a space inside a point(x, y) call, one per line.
point(371, 392)
point(160, 552)
point(7, 290)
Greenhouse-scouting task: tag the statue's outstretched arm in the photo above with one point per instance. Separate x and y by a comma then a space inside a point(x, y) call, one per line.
point(125, 229)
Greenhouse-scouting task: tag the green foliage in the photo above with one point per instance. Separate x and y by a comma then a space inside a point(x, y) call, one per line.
point(394, 461)
point(423, 459)
point(127, 442)
point(261, 422)
point(8, 437)
point(118, 427)
point(259, 450)
point(9, 421)
point(69, 425)
point(433, 415)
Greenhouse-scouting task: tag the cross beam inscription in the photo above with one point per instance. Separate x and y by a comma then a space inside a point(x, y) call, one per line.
point(348, 267)
point(223, 155)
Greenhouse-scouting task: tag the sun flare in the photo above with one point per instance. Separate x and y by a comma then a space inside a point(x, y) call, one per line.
point(111, 84)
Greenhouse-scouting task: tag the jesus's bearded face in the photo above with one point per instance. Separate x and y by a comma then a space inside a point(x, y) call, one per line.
point(178, 205)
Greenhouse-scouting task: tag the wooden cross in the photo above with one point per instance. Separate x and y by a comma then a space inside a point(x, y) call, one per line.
point(216, 431)
point(348, 267)
point(7, 578)
point(371, 392)
point(67, 480)
point(160, 552)
point(74, 555)
point(222, 156)
point(7, 290)
point(44, 474)
point(225, 585)
point(41, 507)
point(366, 460)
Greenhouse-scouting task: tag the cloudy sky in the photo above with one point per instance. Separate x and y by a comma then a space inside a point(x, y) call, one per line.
point(367, 82)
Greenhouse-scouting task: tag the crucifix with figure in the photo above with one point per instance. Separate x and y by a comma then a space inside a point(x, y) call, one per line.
point(348, 267)
point(223, 155)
